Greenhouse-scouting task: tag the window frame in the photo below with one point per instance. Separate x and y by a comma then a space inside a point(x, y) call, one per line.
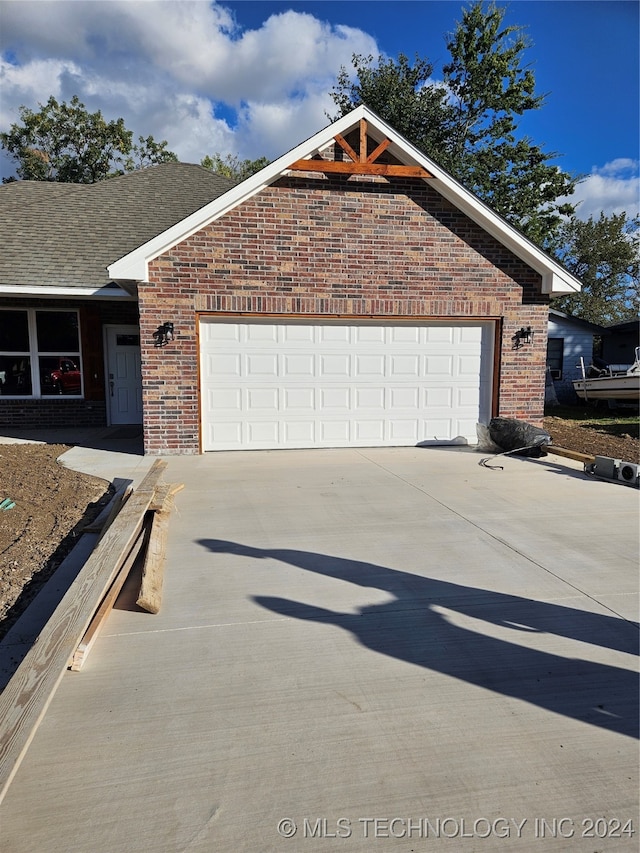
point(34, 355)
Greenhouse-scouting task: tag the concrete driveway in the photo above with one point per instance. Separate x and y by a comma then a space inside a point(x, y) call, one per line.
point(358, 650)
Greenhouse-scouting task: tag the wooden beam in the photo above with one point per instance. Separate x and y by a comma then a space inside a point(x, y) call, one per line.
point(384, 169)
point(150, 596)
point(342, 142)
point(119, 500)
point(27, 696)
point(363, 141)
point(100, 616)
point(570, 454)
point(378, 151)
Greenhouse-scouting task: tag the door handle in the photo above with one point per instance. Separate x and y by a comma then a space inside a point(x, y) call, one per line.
point(111, 383)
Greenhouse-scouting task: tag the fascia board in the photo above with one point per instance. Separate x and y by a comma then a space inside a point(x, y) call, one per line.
point(65, 292)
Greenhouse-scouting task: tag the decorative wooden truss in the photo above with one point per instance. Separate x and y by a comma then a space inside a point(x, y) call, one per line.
point(360, 163)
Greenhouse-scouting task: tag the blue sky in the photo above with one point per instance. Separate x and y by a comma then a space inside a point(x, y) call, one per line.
point(252, 78)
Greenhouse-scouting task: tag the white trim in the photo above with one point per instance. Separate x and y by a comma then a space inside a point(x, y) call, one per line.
point(555, 279)
point(65, 292)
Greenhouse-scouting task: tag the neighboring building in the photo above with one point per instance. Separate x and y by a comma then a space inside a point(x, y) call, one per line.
point(569, 340)
point(350, 294)
point(619, 343)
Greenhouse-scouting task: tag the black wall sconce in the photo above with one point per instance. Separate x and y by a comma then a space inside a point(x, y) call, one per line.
point(522, 336)
point(163, 334)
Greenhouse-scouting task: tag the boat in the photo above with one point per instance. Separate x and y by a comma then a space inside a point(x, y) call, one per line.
point(608, 384)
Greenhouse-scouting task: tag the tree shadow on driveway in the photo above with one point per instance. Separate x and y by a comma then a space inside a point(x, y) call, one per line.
point(411, 628)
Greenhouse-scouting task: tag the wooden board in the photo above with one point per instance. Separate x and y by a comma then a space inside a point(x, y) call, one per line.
point(102, 613)
point(150, 597)
point(570, 454)
point(28, 695)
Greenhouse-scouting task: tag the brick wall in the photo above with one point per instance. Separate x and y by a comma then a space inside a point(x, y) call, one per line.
point(51, 414)
point(335, 248)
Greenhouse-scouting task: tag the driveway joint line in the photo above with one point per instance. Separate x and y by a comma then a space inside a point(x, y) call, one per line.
point(494, 537)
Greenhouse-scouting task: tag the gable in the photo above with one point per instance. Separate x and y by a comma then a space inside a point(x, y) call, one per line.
point(366, 146)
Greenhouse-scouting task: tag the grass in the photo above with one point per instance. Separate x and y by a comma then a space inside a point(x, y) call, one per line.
point(620, 422)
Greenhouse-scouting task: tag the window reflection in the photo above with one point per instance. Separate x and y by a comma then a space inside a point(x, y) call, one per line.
point(15, 375)
point(59, 375)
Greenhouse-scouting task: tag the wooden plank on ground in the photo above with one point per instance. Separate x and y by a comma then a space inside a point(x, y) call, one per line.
point(102, 613)
point(150, 597)
point(28, 695)
point(119, 500)
point(570, 454)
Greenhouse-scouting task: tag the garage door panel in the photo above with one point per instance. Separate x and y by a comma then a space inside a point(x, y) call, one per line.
point(405, 335)
point(262, 431)
point(335, 365)
point(225, 365)
point(369, 335)
point(438, 397)
point(223, 400)
point(368, 366)
point(298, 334)
point(406, 397)
point(228, 433)
point(287, 384)
point(468, 365)
point(302, 433)
point(334, 399)
point(261, 364)
point(334, 432)
point(264, 399)
point(368, 431)
point(439, 334)
point(259, 334)
point(404, 366)
point(298, 365)
point(404, 430)
point(438, 367)
point(370, 397)
point(334, 335)
point(296, 399)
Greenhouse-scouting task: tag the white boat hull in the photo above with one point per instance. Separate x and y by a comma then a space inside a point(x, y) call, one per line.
point(624, 387)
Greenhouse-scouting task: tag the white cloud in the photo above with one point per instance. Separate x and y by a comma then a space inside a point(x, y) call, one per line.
point(612, 188)
point(181, 71)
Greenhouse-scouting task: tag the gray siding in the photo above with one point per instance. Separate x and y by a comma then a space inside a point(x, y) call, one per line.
point(577, 342)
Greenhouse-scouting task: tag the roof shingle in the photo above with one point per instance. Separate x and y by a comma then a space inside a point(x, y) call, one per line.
point(67, 234)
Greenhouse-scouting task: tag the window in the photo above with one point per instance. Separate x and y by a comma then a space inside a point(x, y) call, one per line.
point(40, 353)
point(555, 350)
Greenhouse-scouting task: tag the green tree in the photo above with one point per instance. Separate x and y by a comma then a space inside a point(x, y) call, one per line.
point(402, 95)
point(604, 254)
point(468, 124)
point(65, 142)
point(232, 166)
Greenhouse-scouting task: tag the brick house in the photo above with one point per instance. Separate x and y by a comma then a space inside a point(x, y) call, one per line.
point(351, 293)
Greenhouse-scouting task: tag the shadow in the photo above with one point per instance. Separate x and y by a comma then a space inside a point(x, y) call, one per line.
point(123, 438)
point(411, 628)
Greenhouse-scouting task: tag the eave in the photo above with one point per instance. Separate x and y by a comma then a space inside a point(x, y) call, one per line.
point(53, 292)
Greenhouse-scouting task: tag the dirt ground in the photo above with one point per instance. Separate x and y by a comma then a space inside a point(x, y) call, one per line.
point(53, 503)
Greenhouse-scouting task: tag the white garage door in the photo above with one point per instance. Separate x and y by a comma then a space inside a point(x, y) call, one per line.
point(292, 384)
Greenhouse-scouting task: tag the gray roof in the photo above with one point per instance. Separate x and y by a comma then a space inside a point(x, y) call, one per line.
point(66, 235)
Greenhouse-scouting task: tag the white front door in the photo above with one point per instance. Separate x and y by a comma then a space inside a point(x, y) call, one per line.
point(295, 384)
point(124, 382)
